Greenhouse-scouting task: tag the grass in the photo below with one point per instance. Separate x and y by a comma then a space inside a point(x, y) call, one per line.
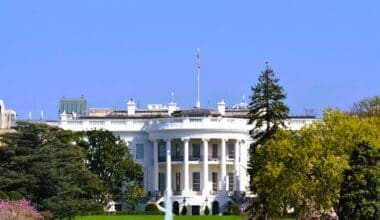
point(153, 217)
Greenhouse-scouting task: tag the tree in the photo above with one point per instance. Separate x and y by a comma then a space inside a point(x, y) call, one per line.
point(367, 107)
point(267, 110)
point(359, 196)
point(304, 169)
point(47, 168)
point(109, 158)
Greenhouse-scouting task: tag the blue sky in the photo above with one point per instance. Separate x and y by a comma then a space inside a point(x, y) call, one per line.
point(326, 53)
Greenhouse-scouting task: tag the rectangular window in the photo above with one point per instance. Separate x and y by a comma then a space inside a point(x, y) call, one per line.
point(230, 181)
point(161, 182)
point(231, 151)
point(196, 154)
point(214, 181)
point(215, 151)
point(177, 181)
point(161, 152)
point(139, 151)
point(196, 181)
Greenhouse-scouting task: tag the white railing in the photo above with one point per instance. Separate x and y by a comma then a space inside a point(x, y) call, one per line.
point(169, 123)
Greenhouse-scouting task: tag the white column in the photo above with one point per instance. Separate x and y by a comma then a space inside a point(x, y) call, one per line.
point(155, 165)
point(168, 169)
point(223, 166)
point(205, 190)
point(186, 190)
point(236, 165)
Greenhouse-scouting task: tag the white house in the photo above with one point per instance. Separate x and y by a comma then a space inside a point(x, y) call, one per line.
point(197, 156)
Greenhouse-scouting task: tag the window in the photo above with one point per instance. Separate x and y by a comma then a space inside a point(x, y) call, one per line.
point(177, 181)
point(196, 181)
point(161, 152)
point(214, 181)
point(231, 151)
point(230, 181)
point(161, 182)
point(215, 151)
point(196, 151)
point(139, 151)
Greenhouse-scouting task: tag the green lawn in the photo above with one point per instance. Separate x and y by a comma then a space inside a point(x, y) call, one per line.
point(153, 217)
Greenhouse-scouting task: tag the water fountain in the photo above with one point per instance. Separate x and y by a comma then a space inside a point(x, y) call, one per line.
point(168, 207)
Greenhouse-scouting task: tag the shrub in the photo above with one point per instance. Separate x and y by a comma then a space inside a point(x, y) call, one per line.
point(3, 195)
point(234, 209)
point(21, 209)
point(14, 195)
point(207, 211)
point(151, 207)
point(184, 210)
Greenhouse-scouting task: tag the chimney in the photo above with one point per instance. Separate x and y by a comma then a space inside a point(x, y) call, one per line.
point(222, 107)
point(131, 107)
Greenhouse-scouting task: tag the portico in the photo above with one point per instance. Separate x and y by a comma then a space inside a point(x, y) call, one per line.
point(197, 166)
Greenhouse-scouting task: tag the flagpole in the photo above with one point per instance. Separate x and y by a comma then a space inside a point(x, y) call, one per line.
point(198, 105)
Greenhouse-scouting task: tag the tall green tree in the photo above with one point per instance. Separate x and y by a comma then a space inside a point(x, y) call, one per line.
point(45, 166)
point(109, 158)
point(267, 113)
point(267, 110)
point(360, 191)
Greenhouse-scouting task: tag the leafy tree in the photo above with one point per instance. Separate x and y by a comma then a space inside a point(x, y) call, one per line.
point(304, 169)
point(267, 110)
point(360, 192)
point(47, 168)
point(367, 107)
point(109, 158)
point(207, 210)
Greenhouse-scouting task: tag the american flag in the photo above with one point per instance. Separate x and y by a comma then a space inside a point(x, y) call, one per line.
point(198, 60)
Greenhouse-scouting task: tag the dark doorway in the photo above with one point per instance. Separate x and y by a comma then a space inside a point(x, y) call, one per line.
point(215, 208)
point(195, 210)
point(176, 208)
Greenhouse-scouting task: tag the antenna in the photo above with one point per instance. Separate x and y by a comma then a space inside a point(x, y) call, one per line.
point(42, 115)
point(30, 116)
point(172, 97)
point(198, 104)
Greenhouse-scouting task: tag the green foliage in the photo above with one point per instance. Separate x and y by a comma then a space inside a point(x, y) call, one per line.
point(267, 109)
point(304, 169)
point(360, 191)
point(109, 158)
point(3, 195)
point(184, 210)
point(46, 167)
point(234, 209)
point(207, 211)
point(14, 195)
point(151, 207)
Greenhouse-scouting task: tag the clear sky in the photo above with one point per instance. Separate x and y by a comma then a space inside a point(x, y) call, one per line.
point(326, 53)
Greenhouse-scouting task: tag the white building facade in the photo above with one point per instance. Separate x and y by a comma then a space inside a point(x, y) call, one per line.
point(197, 156)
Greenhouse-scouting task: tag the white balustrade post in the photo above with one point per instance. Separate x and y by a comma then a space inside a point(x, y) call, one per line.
point(205, 190)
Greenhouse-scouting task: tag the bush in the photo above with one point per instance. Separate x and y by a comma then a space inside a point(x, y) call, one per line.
point(151, 207)
point(184, 210)
point(3, 195)
point(14, 195)
point(234, 209)
point(207, 211)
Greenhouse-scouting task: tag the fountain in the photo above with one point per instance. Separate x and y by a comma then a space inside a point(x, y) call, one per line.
point(168, 207)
